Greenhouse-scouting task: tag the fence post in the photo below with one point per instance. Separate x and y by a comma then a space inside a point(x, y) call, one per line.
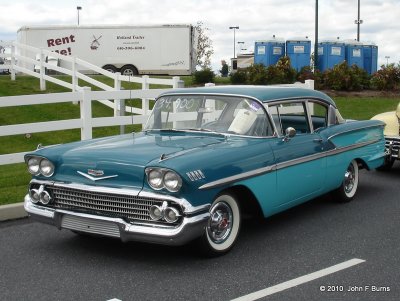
point(86, 113)
point(309, 83)
point(74, 77)
point(117, 87)
point(12, 69)
point(42, 71)
point(121, 113)
point(145, 101)
point(177, 82)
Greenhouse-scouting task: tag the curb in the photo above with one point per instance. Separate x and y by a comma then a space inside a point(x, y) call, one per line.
point(12, 211)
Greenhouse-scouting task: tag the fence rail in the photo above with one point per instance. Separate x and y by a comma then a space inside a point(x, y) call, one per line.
point(86, 122)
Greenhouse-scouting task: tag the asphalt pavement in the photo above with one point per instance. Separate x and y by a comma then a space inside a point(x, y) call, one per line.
point(39, 262)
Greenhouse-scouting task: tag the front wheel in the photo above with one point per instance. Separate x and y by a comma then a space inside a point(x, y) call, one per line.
point(347, 191)
point(222, 228)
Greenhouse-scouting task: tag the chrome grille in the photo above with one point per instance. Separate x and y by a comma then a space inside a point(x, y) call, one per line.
point(128, 207)
point(392, 146)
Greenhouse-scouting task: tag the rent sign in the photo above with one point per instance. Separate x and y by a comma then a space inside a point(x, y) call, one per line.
point(62, 41)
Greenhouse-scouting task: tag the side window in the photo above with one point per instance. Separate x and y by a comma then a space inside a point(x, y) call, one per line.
point(319, 115)
point(290, 114)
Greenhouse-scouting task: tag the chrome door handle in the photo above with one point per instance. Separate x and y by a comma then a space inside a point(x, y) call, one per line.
point(318, 140)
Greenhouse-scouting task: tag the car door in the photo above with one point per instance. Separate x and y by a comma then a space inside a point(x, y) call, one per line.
point(300, 160)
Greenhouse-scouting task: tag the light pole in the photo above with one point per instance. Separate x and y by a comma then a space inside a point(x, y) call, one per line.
point(234, 39)
point(78, 8)
point(241, 43)
point(387, 60)
point(358, 22)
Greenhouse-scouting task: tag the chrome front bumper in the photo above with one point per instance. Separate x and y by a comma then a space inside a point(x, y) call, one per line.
point(190, 228)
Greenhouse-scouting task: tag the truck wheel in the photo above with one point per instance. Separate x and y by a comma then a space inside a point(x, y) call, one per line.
point(129, 70)
point(110, 68)
point(347, 191)
point(223, 226)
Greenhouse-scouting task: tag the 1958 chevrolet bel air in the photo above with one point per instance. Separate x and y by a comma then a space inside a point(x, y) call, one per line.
point(205, 157)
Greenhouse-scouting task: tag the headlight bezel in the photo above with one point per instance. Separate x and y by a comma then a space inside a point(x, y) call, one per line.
point(162, 173)
point(42, 164)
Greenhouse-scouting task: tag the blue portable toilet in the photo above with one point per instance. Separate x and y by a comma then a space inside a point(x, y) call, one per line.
point(299, 52)
point(354, 53)
point(370, 52)
point(268, 52)
point(330, 53)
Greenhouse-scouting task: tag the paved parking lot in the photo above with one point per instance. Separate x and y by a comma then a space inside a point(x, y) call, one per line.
point(318, 251)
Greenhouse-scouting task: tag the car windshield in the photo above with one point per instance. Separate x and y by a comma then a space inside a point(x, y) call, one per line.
point(219, 114)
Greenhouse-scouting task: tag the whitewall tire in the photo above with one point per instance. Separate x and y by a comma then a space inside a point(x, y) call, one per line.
point(347, 191)
point(223, 226)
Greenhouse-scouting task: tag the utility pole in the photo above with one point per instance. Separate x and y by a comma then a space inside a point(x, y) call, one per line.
point(316, 37)
point(358, 22)
point(78, 8)
point(234, 39)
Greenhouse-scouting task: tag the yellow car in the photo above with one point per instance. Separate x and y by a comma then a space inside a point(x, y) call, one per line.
point(392, 136)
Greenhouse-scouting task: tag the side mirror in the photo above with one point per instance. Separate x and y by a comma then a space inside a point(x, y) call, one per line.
point(289, 133)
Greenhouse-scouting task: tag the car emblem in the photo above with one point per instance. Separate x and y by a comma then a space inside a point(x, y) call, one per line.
point(95, 175)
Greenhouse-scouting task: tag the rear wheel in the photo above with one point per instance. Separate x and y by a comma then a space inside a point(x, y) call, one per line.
point(347, 191)
point(129, 70)
point(223, 226)
point(110, 68)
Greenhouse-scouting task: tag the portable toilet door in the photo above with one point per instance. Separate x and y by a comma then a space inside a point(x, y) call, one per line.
point(268, 52)
point(370, 52)
point(330, 53)
point(354, 53)
point(299, 52)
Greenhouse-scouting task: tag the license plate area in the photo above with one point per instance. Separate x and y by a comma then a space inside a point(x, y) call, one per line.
point(89, 225)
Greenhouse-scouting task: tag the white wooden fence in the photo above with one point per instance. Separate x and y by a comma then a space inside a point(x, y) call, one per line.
point(86, 122)
point(19, 60)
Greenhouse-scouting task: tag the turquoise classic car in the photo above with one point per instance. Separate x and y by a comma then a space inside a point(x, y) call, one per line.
point(207, 157)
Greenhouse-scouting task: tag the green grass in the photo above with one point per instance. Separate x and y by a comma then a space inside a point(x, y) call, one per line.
point(14, 177)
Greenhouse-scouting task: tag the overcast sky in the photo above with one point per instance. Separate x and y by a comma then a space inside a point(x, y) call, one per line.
point(257, 19)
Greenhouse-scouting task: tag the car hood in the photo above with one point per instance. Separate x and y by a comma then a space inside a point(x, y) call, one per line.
point(120, 160)
point(392, 122)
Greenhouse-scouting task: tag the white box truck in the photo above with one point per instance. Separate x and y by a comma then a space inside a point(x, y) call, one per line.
point(131, 50)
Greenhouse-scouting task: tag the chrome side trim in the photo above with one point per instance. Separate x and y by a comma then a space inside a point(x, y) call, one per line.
point(241, 176)
point(282, 165)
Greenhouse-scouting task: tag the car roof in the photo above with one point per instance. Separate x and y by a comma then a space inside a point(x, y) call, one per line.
point(262, 93)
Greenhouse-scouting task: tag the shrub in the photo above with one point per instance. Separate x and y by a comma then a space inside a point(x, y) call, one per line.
point(239, 77)
point(203, 76)
point(387, 78)
point(343, 77)
point(285, 70)
point(257, 74)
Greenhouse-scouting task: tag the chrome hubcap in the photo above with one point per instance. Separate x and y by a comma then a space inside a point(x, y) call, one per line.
point(349, 179)
point(220, 223)
point(128, 72)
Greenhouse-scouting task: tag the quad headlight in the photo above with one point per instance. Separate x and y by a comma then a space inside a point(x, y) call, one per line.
point(40, 165)
point(159, 178)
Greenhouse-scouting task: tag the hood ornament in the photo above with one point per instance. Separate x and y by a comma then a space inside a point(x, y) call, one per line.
point(95, 175)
